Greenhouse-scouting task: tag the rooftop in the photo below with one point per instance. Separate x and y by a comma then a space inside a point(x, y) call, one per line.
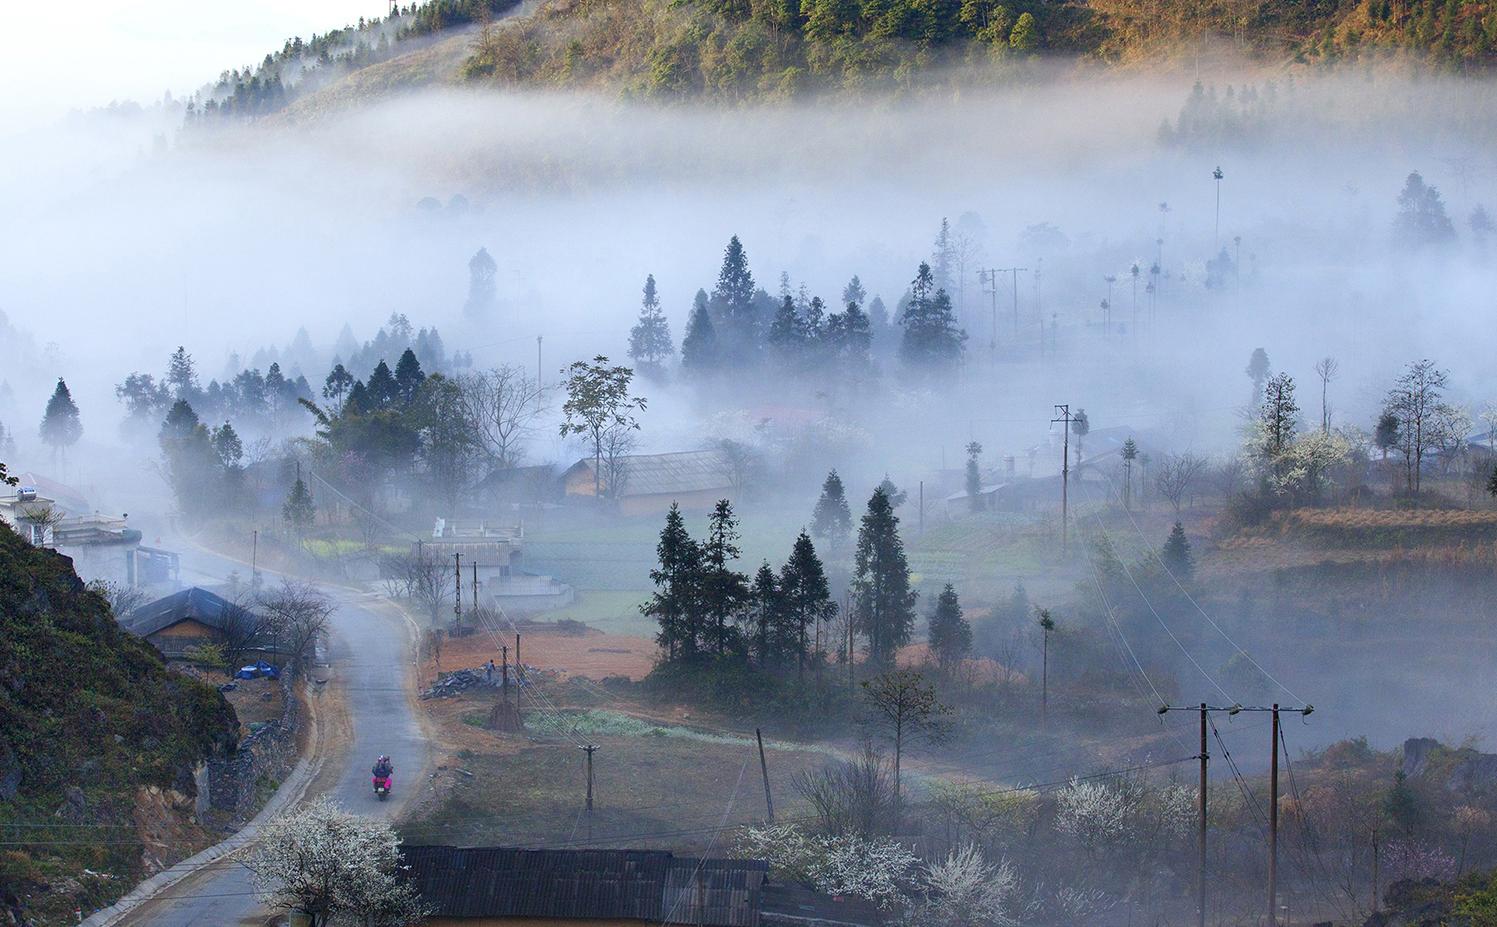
point(196, 604)
point(662, 474)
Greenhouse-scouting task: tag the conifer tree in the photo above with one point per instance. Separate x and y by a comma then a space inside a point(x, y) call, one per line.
point(768, 615)
point(181, 375)
point(931, 340)
point(382, 389)
point(854, 292)
point(699, 349)
point(1176, 553)
point(335, 388)
point(885, 602)
point(193, 463)
point(806, 596)
point(786, 339)
point(61, 426)
point(675, 603)
point(650, 339)
point(832, 518)
point(950, 634)
point(724, 590)
point(733, 305)
point(298, 510)
point(408, 377)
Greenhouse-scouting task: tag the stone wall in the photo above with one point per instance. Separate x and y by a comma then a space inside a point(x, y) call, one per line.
point(268, 753)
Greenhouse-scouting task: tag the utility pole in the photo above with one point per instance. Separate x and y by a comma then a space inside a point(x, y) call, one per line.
point(504, 671)
point(254, 559)
point(990, 277)
point(474, 565)
point(1218, 175)
point(457, 588)
point(1201, 804)
point(519, 677)
point(922, 506)
point(764, 768)
point(1276, 739)
point(588, 749)
point(1015, 271)
point(1063, 416)
point(538, 382)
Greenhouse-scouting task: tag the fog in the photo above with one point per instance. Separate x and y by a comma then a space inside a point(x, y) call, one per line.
point(128, 236)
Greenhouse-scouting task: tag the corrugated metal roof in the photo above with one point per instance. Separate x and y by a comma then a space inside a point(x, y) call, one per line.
point(195, 603)
point(647, 885)
point(664, 474)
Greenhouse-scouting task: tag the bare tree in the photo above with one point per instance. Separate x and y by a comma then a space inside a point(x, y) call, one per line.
point(503, 404)
point(618, 443)
point(1326, 368)
point(1417, 402)
point(242, 631)
point(905, 706)
point(743, 464)
point(123, 600)
point(851, 796)
point(1228, 477)
point(420, 577)
point(296, 614)
point(41, 520)
point(1176, 474)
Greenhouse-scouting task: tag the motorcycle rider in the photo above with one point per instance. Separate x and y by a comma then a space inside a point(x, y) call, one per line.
point(383, 769)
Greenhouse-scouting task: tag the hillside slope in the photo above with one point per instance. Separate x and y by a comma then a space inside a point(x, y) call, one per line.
point(772, 49)
point(98, 742)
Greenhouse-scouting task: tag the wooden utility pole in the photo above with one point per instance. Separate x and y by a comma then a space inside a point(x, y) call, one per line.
point(519, 673)
point(1063, 416)
point(1273, 822)
point(457, 588)
point(589, 749)
point(764, 769)
point(504, 670)
point(1201, 827)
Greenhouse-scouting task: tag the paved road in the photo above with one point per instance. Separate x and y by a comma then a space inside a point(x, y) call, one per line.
point(370, 659)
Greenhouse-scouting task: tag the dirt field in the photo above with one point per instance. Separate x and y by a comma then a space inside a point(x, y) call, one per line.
point(654, 787)
point(593, 654)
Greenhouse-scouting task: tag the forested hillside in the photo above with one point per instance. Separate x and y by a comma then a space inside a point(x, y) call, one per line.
point(767, 49)
point(90, 721)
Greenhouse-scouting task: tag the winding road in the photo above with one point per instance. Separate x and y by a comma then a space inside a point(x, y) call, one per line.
point(372, 677)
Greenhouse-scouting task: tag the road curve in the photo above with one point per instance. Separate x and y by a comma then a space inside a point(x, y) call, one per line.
point(370, 653)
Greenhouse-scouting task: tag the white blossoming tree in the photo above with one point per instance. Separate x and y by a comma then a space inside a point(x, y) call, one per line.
point(965, 890)
point(844, 864)
point(335, 867)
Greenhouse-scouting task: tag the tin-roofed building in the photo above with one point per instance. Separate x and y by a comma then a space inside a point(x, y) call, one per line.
point(471, 886)
point(647, 484)
point(189, 618)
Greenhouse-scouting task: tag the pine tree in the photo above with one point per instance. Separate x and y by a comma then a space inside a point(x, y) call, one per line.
point(1257, 371)
point(724, 590)
point(181, 375)
point(383, 391)
point(1421, 214)
point(408, 377)
point(786, 338)
point(298, 509)
point(650, 339)
point(699, 349)
point(832, 518)
point(806, 596)
point(335, 388)
point(854, 292)
point(943, 257)
point(193, 463)
point(61, 426)
point(950, 634)
point(675, 604)
point(931, 339)
point(974, 477)
point(1176, 553)
point(482, 293)
point(886, 604)
point(733, 303)
point(768, 615)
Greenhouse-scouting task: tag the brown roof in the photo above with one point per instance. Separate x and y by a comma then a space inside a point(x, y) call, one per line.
point(664, 474)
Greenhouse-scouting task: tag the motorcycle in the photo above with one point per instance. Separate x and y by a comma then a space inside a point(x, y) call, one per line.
point(382, 787)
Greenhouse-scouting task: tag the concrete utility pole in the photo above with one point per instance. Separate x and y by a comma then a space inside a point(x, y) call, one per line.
point(764, 768)
point(1063, 416)
point(1218, 175)
point(518, 671)
point(1015, 271)
point(990, 278)
point(538, 381)
point(504, 670)
point(474, 565)
point(589, 749)
point(457, 588)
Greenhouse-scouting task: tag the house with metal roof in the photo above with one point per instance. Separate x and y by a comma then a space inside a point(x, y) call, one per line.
point(191, 617)
point(645, 484)
point(473, 886)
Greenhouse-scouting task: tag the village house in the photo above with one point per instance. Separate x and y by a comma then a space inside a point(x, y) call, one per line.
point(492, 886)
point(647, 484)
point(102, 547)
point(491, 565)
point(190, 618)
